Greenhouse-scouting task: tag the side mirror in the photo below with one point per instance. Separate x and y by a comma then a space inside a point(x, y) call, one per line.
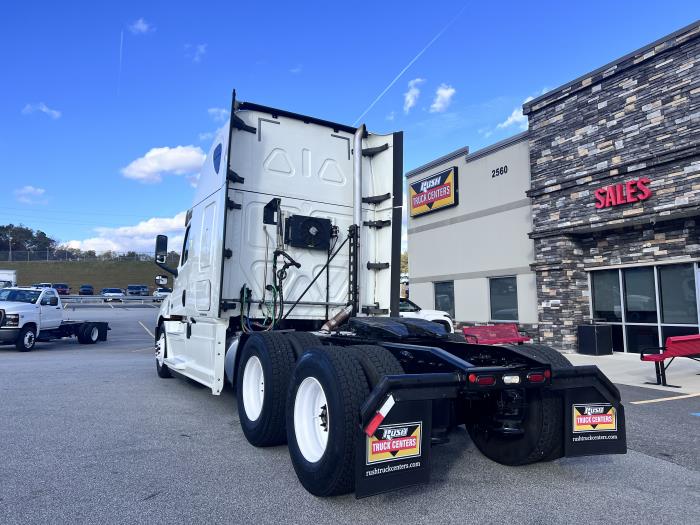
point(162, 280)
point(53, 301)
point(161, 248)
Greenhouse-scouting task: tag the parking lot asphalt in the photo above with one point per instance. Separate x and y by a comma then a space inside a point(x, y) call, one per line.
point(91, 434)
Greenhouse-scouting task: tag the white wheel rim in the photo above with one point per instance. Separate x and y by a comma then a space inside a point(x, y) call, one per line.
point(311, 419)
point(253, 388)
point(94, 333)
point(160, 349)
point(28, 339)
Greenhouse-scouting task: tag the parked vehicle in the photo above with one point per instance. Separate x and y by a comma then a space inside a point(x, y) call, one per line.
point(161, 293)
point(86, 289)
point(288, 288)
point(112, 294)
point(62, 288)
point(137, 289)
point(29, 314)
point(8, 278)
point(410, 309)
point(43, 285)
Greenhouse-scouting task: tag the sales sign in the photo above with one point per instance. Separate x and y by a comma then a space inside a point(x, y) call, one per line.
point(434, 192)
point(634, 190)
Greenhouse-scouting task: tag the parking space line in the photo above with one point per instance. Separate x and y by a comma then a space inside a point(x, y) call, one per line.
point(110, 305)
point(147, 330)
point(659, 399)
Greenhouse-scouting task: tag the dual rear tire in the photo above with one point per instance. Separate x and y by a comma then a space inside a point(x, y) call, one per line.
point(309, 397)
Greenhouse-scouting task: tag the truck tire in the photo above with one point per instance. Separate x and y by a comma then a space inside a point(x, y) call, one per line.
point(26, 339)
point(88, 334)
point(264, 369)
point(543, 424)
point(161, 353)
point(376, 363)
point(326, 391)
point(546, 353)
point(301, 341)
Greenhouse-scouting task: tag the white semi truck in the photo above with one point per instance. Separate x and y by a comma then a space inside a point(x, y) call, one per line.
point(288, 288)
point(8, 278)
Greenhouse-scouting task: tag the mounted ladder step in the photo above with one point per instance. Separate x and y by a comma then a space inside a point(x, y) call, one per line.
point(377, 266)
point(376, 199)
point(377, 224)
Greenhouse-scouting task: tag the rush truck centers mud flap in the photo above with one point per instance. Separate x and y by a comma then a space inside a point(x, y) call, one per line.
point(394, 437)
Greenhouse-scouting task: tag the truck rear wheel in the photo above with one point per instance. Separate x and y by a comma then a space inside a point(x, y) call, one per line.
point(542, 431)
point(326, 391)
point(264, 369)
point(376, 363)
point(26, 339)
point(88, 334)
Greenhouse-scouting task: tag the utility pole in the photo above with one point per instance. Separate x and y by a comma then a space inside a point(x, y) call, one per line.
point(10, 237)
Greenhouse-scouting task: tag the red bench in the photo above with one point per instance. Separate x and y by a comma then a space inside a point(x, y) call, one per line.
point(678, 346)
point(494, 334)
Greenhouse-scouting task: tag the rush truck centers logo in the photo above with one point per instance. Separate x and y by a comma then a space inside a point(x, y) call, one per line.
point(634, 190)
point(394, 442)
point(594, 418)
point(433, 193)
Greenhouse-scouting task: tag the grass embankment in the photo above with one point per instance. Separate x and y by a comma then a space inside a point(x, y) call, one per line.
point(100, 274)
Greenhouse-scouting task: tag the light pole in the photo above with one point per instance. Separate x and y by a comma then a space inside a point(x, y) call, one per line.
point(10, 237)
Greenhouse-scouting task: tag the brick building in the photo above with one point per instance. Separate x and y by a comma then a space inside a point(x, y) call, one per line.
point(597, 209)
point(615, 197)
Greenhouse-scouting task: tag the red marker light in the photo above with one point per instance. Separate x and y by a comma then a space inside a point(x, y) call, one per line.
point(547, 374)
point(536, 377)
point(485, 380)
point(472, 378)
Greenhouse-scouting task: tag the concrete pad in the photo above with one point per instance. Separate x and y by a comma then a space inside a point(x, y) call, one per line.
point(628, 369)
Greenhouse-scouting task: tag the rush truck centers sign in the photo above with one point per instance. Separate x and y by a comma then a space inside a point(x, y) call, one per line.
point(634, 190)
point(434, 192)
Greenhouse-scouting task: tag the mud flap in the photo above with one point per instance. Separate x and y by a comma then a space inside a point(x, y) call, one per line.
point(594, 423)
point(397, 454)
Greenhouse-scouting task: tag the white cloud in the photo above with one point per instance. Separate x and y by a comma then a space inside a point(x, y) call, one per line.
point(43, 108)
point(138, 238)
point(391, 116)
point(411, 96)
point(516, 117)
point(141, 27)
point(443, 97)
point(30, 195)
point(207, 135)
point(218, 114)
point(296, 70)
point(195, 52)
point(180, 160)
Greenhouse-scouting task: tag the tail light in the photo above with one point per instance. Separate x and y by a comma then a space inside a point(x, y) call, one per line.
point(536, 377)
point(482, 380)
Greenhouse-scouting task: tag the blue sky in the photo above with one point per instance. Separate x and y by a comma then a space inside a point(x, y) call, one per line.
point(90, 88)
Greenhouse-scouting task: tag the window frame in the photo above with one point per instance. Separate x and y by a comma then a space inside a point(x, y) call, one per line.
point(452, 312)
point(490, 300)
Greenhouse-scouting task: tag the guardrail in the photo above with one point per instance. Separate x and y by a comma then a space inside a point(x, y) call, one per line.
point(143, 299)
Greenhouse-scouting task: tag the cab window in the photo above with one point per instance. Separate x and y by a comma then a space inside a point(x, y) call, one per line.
point(407, 306)
point(46, 298)
point(185, 247)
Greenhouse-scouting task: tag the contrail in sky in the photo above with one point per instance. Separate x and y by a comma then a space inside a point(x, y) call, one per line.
point(121, 45)
point(397, 77)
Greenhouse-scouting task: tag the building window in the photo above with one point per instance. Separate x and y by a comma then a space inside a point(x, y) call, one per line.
point(646, 304)
point(504, 298)
point(445, 297)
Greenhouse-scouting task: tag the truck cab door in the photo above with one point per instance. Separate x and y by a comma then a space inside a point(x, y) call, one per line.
point(51, 311)
point(176, 327)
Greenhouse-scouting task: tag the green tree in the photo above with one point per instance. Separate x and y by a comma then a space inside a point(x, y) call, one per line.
point(404, 262)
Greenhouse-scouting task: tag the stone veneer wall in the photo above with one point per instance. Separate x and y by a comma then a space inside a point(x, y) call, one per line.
point(637, 118)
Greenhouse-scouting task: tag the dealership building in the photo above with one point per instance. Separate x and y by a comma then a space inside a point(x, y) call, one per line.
point(592, 216)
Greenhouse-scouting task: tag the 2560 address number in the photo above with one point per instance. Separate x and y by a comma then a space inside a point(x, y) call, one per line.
point(499, 171)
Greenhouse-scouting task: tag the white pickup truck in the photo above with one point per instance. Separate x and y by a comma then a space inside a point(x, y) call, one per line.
point(410, 309)
point(30, 314)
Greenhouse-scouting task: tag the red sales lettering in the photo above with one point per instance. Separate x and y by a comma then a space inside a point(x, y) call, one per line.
point(631, 191)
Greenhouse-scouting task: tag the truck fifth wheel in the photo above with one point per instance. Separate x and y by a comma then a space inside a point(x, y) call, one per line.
point(288, 288)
